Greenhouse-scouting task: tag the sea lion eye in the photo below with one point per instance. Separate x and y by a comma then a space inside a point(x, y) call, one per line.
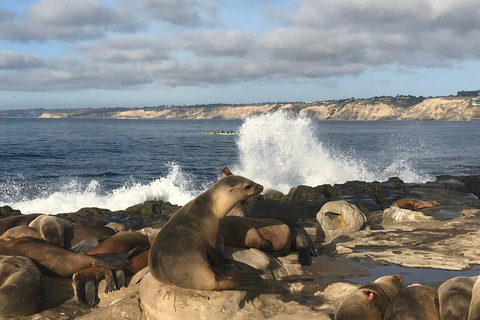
point(248, 186)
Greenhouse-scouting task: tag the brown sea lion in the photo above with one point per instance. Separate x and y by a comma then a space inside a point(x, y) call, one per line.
point(180, 251)
point(239, 209)
point(414, 204)
point(454, 297)
point(86, 280)
point(267, 234)
point(415, 302)
point(20, 286)
point(61, 262)
point(474, 312)
point(51, 228)
point(19, 232)
point(22, 220)
point(370, 301)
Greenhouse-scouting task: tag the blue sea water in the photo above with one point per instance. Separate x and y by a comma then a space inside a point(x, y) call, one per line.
point(62, 165)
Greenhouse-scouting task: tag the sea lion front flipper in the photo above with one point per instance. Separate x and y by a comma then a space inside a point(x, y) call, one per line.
point(239, 280)
point(109, 279)
point(85, 245)
point(110, 260)
point(304, 257)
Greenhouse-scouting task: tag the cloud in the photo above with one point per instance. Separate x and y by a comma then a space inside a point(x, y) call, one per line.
point(10, 60)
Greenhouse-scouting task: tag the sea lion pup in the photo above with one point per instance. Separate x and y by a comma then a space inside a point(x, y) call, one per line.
point(474, 313)
point(19, 232)
point(414, 204)
point(22, 220)
point(370, 301)
point(415, 302)
point(63, 263)
point(267, 234)
point(454, 297)
point(20, 287)
point(180, 251)
point(86, 280)
point(51, 228)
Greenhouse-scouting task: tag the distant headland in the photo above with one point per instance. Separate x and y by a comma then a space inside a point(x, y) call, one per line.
point(465, 106)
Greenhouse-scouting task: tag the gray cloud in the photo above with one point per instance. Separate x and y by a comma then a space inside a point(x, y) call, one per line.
point(10, 60)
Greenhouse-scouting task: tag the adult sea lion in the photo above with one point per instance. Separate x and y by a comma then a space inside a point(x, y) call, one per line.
point(454, 298)
point(415, 302)
point(62, 262)
point(51, 228)
point(267, 234)
point(19, 232)
point(414, 204)
point(474, 312)
point(180, 251)
point(22, 220)
point(86, 280)
point(370, 301)
point(20, 286)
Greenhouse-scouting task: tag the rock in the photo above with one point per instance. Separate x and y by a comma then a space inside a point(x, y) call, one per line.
point(6, 212)
point(125, 305)
point(282, 211)
point(338, 218)
point(271, 194)
point(394, 214)
point(165, 301)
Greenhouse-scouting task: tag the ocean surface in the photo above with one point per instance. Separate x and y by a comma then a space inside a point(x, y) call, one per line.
point(61, 165)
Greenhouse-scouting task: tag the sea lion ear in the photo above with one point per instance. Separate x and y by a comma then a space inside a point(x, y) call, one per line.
point(371, 296)
point(226, 172)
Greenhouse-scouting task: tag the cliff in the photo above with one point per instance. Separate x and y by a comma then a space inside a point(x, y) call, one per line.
point(377, 108)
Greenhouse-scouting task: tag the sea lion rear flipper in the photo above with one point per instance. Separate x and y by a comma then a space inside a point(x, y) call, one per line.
point(85, 245)
point(91, 293)
point(119, 279)
point(110, 260)
point(304, 257)
point(110, 280)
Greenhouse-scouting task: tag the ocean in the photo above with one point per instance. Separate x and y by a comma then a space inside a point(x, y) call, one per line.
point(61, 165)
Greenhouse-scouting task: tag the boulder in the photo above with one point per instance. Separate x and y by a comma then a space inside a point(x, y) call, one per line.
point(6, 212)
point(166, 301)
point(394, 214)
point(338, 218)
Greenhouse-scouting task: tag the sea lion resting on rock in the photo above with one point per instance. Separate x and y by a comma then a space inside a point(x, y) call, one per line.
point(454, 297)
point(370, 301)
point(86, 280)
point(414, 204)
point(415, 302)
point(474, 313)
point(20, 286)
point(11, 222)
point(20, 232)
point(268, 234)
point(62, 262)
point(180, 251)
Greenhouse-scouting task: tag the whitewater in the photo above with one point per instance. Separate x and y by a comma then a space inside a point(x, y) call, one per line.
point(278, 150)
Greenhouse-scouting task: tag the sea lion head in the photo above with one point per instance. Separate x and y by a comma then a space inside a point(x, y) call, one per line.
point(231, 189)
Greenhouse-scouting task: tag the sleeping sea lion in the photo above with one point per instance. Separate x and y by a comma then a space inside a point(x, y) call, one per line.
point(86, 280)
point(180, 251)
point(22, 220)
point(62, 262)
point(414, 204)
point(415, 302)
point(20, 287)
point(370, 301)
point(51, 228)
point(267, 234)
point(454, 298)
point(19, 232)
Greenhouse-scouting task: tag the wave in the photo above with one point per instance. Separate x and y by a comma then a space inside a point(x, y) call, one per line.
point(177, 187)
point(282, 151)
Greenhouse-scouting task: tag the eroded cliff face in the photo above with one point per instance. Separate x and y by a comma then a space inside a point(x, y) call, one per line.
point(387, 108)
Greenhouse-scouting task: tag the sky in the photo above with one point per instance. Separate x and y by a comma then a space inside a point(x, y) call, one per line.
point(94, 53)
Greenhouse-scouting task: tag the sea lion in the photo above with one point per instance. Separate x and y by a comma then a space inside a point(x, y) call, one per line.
point(180, 251)
point(239, 209)
point(454, 298)
point(415, 302)
point(267, 234)
point(474, 312)
point(86, 280)
point(22, 220)
point(51, 228)
point(414, 204)
point(19, 232)
point(370, 301)
point(20, 286)
point(61, 262)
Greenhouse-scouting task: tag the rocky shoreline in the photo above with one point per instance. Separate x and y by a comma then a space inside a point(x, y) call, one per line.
point(427, 251)
point(376, 108)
